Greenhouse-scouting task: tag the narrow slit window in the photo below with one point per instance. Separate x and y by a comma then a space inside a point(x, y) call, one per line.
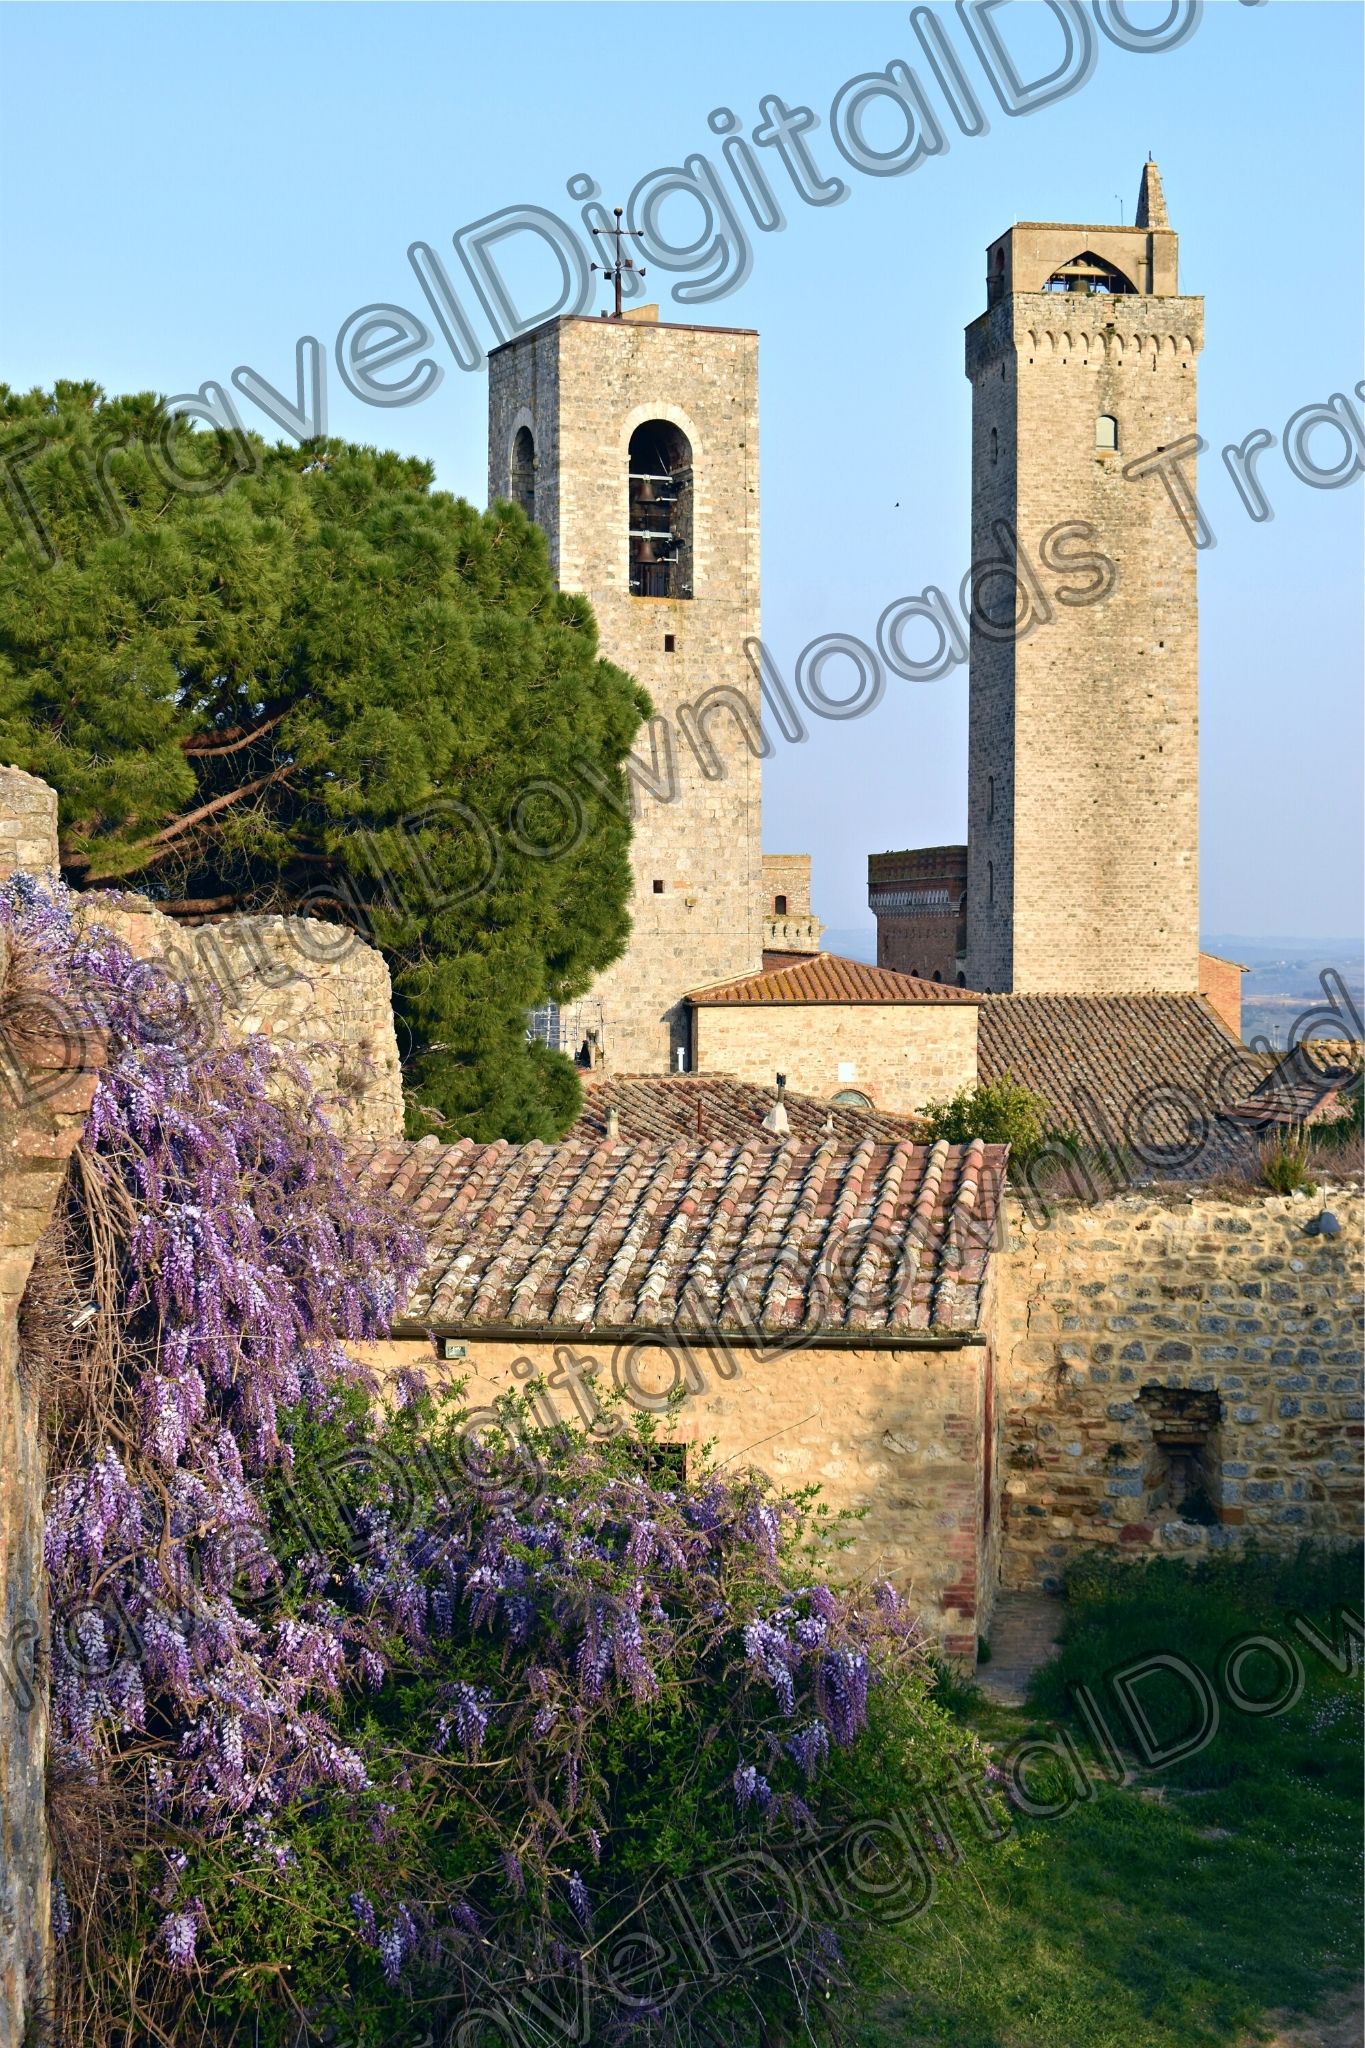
point(523, 477)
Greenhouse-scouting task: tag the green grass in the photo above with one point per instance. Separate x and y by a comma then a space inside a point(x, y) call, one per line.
point(1179, 1910)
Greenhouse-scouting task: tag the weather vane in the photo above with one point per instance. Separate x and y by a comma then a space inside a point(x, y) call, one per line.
point(616, 271)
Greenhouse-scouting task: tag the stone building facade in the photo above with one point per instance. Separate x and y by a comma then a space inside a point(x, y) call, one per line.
point(814, 1309)
point(634, 444)
point(1083, 728)
point(841, 1030)
point(789, 923)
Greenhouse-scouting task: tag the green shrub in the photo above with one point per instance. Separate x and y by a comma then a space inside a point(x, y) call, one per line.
point(1284, 1163)
point(1000, 1112)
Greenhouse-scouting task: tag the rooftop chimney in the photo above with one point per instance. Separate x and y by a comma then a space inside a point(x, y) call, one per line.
point(777, 1120)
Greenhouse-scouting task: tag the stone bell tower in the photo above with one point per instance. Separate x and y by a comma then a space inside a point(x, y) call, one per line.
point(1083, 749)
point(634, 444)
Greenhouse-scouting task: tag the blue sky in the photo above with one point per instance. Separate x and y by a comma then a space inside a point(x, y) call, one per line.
point(189, 188)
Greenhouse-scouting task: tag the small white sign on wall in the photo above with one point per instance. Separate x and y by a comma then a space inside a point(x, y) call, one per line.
point(847, 1070)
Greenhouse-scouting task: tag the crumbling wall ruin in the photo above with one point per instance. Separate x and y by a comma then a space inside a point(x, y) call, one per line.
point(1179, 1372)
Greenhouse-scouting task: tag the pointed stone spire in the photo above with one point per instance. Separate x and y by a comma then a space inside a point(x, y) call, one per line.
point(1151, 206)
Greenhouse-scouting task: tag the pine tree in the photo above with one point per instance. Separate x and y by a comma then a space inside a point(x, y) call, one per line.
point(303, 680)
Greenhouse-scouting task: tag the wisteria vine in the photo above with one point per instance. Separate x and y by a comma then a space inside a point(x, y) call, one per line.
point(483, 1661)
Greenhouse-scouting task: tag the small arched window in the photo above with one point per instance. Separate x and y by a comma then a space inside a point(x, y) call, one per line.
point(1106, 431)
point(990, 881)
point(779, 906)
point(660, 520)
point(851, 1098)
point(524, 471)
point(990, 798)
point(995, 444)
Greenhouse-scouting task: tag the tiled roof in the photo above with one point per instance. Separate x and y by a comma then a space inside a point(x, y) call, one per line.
point(1139, 1070)
point(887, 1241)
point(830, 978)
point(1312, 1083)
point(715, 1109)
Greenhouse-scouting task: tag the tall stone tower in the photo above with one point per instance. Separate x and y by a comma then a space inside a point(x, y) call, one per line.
point(634, 444)
point(1083, 762)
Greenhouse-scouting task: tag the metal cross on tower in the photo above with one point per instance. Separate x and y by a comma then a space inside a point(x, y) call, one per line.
point(615, 272)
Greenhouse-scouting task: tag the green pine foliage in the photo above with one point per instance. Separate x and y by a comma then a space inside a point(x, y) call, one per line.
point(306, 681)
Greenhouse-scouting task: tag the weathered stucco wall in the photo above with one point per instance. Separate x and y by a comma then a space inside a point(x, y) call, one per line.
point(47, 1080)
point(893, 1432)
point(1155, 1346)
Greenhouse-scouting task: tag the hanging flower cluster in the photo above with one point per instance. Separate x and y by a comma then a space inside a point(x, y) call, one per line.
point(232, 1258)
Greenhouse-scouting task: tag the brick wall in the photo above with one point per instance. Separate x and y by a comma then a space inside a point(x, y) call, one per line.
point(582, 387)
point(1107, 1314)
point(1220, 983)
point(895, 1432)
point(900, 1055)
point(919, 899)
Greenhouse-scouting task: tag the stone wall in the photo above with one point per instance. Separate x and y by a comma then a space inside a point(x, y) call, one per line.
point(899, 1055)
point(1083, 725)
point(46, 1086)
point(582, 387)
point(1156, 1345)
point(313, 989)
point(789, 924)
point(28, 825)
point(895, 1432)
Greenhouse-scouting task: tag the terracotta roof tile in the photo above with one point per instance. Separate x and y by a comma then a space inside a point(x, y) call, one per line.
point(830, 978)
point(662, 1109)
point(815, 1238)
point(1154, 1073)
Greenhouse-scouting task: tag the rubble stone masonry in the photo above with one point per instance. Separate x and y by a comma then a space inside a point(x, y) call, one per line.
point(1148, 1317)
point(315, 990)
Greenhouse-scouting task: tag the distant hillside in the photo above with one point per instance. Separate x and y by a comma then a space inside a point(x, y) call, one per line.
point(1284, 984)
